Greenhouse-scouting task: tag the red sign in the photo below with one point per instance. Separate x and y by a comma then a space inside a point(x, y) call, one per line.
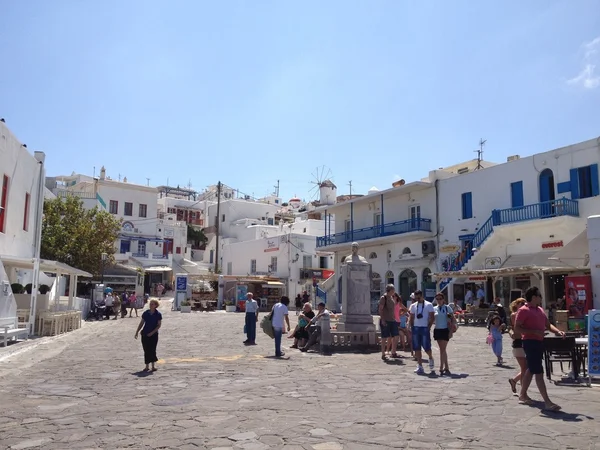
point(477, 278)
point(578, 293)
point(553, 244)
point(327, 273)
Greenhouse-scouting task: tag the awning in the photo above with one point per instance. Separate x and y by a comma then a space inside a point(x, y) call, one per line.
point(46, 265)
point(158, 269)
point(273, 284)
point(513, 265)
point(576, 252)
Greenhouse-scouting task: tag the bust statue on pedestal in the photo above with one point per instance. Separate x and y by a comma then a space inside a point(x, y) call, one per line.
point(356, 293)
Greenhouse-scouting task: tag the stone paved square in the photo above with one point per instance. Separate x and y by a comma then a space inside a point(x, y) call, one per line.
point(84, 391)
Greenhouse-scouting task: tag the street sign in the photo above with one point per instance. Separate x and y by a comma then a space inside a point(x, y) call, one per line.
point(181, 284)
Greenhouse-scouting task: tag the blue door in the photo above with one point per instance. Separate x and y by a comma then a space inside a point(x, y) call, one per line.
point(547, 194)
point(125, 246)
point(516, 194)
point(212, 257)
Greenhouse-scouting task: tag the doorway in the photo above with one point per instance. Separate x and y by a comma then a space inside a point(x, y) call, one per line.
point(407, 283)
point(547, 194)
point(125, 246)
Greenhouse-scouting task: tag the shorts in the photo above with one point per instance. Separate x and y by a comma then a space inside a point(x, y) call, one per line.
point(390, 329)
point(421, 339)
point(534, 353)
point(441, 334)
point(518, 352)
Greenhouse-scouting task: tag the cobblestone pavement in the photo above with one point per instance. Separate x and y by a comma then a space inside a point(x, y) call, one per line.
point(84, 390)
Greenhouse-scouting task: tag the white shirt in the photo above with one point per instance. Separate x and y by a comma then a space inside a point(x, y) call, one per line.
point(109, 300)
point(324, 321)
point(279, 313)
point(251, 306)
point(480, 294)
point(425, 309)
point(469, 298)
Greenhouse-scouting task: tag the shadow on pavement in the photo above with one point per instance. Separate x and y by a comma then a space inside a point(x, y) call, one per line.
point(142, 374)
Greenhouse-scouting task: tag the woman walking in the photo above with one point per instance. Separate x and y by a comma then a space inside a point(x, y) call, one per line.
point(133, 304)
point(443, 330)
point(517, 345)
point(151, 322)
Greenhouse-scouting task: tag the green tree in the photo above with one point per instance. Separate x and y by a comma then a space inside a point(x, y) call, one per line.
point(76, 236)
point(196, 236)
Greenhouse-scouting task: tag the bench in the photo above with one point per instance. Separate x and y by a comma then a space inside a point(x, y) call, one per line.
point(9, 328)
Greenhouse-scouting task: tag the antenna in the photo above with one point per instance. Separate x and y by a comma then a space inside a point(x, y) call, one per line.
point(479, 152)
point(148, 180)
point(119, 177)
point(350, 184)
point(277, 189)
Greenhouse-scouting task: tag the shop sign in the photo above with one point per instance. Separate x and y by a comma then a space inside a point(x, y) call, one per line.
point(553, 244)
point(477, 278)
point(272, 245)
point(594, 343)
point(492, 262)
point(449, 248)
point(322, 274)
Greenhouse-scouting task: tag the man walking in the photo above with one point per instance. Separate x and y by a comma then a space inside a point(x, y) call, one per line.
point(387, 320)
point(251, 319)
point(531, 323)
point(422, 316)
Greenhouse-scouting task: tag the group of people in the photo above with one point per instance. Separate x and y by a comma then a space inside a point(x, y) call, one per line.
point(421, 316)
point(311, 327)
point(118, 304)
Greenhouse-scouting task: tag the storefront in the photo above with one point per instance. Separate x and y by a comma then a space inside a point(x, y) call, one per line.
point(267, 291)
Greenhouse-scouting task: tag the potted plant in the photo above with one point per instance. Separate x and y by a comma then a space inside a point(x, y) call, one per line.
point(28, 288)
point(186, 306)
point(17, 288)
point(230, 306)
point(44, 289)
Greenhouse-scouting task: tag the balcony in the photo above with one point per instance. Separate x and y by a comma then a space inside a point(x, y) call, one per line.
point(388, 229)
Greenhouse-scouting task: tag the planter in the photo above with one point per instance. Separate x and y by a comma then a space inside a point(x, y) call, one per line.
point(186, 309)
point(232, 308)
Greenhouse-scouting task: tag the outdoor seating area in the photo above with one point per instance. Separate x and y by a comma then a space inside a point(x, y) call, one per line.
point(571, 351)
point(54, 323)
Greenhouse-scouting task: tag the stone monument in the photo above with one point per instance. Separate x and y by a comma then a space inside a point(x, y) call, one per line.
point(356, 294)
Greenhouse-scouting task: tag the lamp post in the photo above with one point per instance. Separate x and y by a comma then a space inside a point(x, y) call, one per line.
point(104, 258)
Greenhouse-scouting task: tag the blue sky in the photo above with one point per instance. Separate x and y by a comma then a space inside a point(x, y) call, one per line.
point(249, 92)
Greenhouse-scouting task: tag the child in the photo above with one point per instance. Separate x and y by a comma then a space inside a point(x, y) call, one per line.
point(495, 337)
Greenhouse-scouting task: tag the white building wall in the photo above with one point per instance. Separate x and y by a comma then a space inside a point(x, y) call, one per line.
point(233, 210)
point(491, 188)
point(23, 172)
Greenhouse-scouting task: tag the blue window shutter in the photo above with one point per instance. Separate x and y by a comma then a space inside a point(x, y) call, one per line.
point(516, 194)
point(594, 179)
point(574, 183)
point(467, 205)
point(563, 187)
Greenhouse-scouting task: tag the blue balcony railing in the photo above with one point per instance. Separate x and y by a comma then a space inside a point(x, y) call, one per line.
point(543, 210)
point(387, 229)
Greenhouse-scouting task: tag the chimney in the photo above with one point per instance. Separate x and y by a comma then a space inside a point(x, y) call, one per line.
point(103, 173)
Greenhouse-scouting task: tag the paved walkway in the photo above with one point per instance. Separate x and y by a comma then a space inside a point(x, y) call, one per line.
point(85, 391)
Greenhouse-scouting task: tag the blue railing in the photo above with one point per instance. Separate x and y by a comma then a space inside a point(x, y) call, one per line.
point(321, 294)
point(387, 229)
point(139, 255)
point(543, 210)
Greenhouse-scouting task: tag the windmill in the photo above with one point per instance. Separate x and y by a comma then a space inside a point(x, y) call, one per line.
point(323, 186)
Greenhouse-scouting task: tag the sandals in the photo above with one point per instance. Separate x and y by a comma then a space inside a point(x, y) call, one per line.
point(526, 401)
point(146, 370)
point(513, 385)
point(154, 369)
point(552, 408)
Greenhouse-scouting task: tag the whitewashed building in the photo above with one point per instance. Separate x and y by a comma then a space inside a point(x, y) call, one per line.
point(21, 199)
point(146, 240)
point(500, 226)
point(285, 251)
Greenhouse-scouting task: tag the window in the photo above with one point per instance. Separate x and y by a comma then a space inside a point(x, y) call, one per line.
point(377, 220)
point(128, 209)
point(113, 207)
point(273, 264)
point(223, 218)
point(306, 261)
point(143, 210)
point(141, 247)
point(467, 205)
point(26, 212)
point(252, 266)
point(373, 255)
point(406, 251)
point(322, 262)
point(516, 194)
point(178, 250)
point(3, 203)
point(347, 226)
point(170, 210)
point(586, 181)
point(415, 212)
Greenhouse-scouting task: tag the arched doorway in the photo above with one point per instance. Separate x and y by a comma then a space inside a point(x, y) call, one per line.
point(407, 283)
point(547, 194)
point(375, 292)
point(389, 277)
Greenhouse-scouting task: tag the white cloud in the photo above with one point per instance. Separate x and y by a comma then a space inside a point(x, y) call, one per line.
point(589, 77)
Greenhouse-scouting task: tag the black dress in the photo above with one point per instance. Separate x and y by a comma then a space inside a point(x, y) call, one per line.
point(302, 333)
